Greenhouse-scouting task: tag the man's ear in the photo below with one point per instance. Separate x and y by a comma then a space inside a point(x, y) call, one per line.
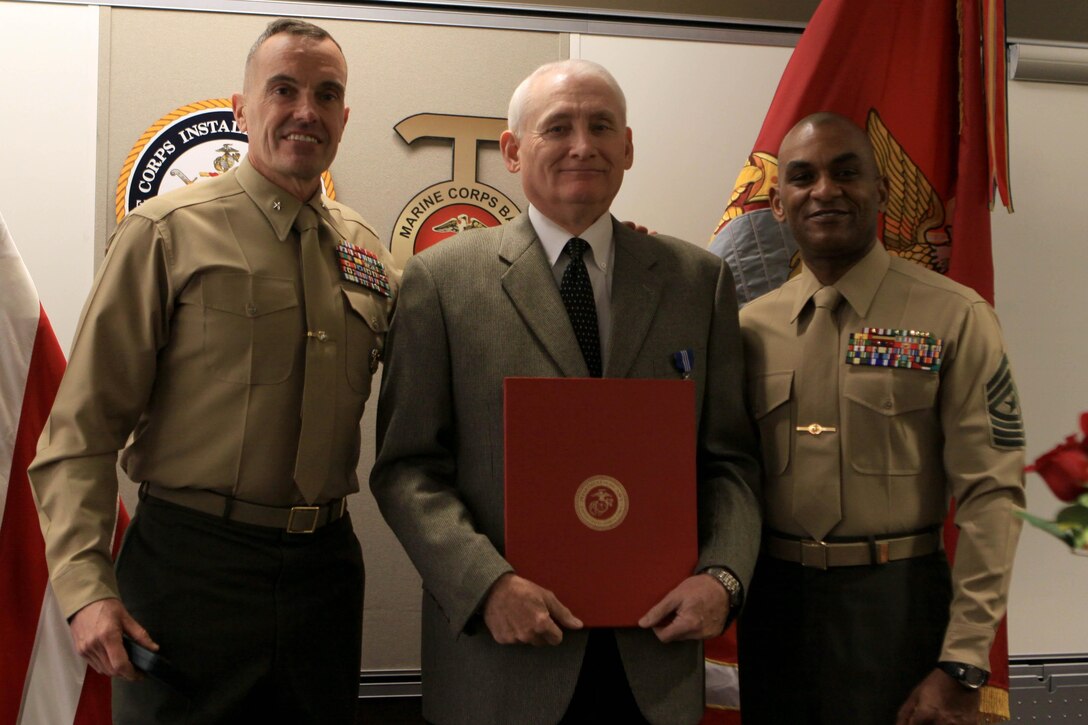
point(238, 103)
point(628, 150)
point(508, 145)
point(776, 204)
point(882, 190)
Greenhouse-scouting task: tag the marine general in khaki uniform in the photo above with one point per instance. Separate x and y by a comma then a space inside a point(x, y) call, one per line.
point(227, 347)
point(881, 390)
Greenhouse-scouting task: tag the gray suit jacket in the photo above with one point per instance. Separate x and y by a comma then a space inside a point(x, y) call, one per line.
point(484, 306)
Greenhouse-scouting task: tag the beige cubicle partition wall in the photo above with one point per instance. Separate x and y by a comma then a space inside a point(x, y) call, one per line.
point(156, 61)
point(160, 60)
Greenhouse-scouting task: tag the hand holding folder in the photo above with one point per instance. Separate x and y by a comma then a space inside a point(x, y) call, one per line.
point(695, 609)
point(519, 611)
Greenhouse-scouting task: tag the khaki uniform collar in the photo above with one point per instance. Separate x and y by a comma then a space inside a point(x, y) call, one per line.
point(278, 206)
point(858, 286)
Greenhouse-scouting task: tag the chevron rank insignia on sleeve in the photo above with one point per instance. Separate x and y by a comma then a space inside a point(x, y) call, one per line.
point(1006, 421)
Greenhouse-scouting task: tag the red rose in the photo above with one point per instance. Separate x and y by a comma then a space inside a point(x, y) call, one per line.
point(1065, 469)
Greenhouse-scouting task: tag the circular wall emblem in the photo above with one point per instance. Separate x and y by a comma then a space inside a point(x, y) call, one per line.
point(601, 503)
point(440, 211)
point(194, 142)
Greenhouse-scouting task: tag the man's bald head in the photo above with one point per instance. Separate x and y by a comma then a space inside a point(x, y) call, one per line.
point(830, 192)
point(823, 119)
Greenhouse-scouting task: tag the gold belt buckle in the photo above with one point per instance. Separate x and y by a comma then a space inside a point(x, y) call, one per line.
point(313, 511)
point(814, 554)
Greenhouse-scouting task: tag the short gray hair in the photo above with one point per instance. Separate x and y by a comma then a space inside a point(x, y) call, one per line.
point(291, 26)
point(572, 66)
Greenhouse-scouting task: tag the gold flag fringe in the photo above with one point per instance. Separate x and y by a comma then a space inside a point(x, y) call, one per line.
point(994, 706)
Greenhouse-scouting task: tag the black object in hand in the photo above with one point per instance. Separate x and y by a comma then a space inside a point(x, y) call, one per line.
point(151, 663)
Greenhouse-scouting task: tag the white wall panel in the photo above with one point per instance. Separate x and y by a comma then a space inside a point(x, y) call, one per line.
point(1040, 259)
point(49, 54)
point(695, 110)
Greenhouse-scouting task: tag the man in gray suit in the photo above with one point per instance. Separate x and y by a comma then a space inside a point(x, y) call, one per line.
point(487, 305)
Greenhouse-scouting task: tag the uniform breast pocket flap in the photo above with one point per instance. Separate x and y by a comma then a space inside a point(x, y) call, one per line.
point(252, 327)
point(365, 324)
point(770, 405)
point(891, 419)
point(369, 308)
point(890, 391)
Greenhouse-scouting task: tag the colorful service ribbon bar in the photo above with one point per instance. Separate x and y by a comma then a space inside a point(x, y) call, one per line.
point(362, 266)
point(890, 348)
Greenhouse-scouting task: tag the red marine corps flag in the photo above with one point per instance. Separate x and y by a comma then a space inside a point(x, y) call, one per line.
point(42, 678)
point(927, 82)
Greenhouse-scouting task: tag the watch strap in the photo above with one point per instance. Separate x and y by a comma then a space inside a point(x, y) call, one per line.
point(731, 584)
point(967, 675)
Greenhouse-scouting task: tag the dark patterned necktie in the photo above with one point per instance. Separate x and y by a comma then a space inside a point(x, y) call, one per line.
point(577, 294)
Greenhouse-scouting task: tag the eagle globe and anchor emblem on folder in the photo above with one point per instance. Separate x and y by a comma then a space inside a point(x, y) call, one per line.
point(601, 503)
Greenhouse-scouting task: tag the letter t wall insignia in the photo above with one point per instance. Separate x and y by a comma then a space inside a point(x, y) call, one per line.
point(462, 202)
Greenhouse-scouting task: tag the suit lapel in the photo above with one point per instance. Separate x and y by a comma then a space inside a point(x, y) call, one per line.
point(531, 287)
point(636, 290)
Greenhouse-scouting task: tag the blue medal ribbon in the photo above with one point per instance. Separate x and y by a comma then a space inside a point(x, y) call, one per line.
point(684, 360)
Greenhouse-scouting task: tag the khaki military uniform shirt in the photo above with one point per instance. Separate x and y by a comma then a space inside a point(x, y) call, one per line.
point(909, 438)
point(190, 349)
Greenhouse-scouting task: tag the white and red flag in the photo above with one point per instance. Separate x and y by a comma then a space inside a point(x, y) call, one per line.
point(43, 681)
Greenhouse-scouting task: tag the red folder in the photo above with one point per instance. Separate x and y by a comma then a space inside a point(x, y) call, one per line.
point(600, 491)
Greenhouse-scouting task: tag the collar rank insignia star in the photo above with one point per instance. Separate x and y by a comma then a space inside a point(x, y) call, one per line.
point(885, 347)
point(362, 266)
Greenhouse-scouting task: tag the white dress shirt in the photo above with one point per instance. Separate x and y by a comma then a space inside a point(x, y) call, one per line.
point(599, 263)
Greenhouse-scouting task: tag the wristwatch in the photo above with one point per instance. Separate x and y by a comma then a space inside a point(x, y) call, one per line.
point(969, 676)
point(731, 584)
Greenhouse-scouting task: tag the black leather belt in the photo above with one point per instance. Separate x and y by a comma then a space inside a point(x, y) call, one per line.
point(293, 519)
point(824, 555)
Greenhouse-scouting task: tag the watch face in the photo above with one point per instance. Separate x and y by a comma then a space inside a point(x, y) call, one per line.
point(974, 677)
point(966, 675)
